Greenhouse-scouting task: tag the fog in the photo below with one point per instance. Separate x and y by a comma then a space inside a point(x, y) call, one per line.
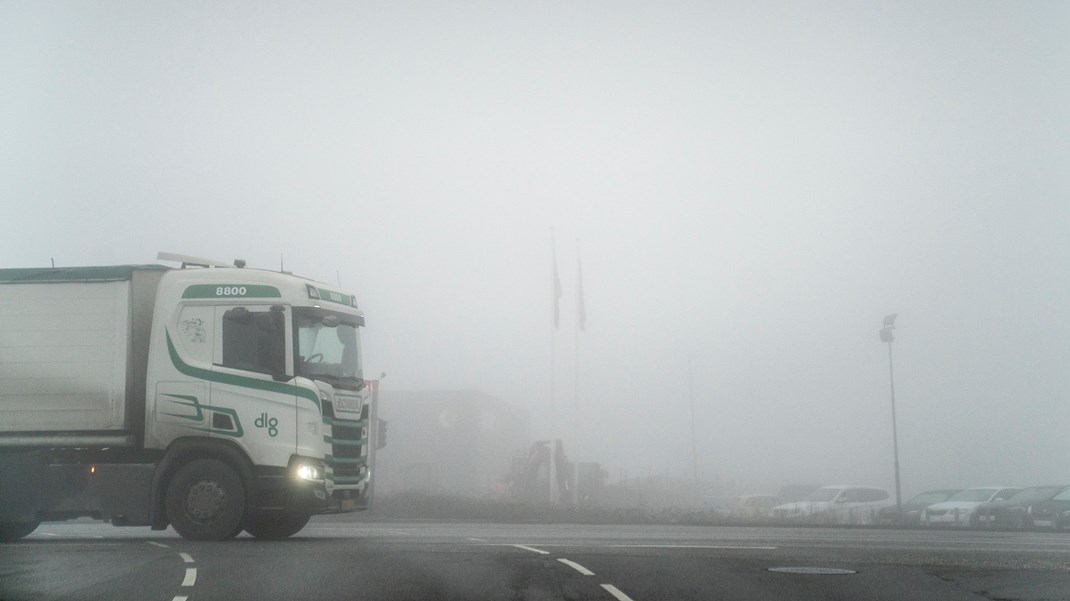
point(751, 186)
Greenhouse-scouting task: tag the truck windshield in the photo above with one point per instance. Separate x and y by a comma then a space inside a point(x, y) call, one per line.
point(328, 347)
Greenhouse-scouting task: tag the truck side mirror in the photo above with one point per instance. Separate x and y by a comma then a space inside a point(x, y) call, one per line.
point(380, 433)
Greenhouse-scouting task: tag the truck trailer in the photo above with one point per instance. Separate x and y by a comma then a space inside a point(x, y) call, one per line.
point(209, 397)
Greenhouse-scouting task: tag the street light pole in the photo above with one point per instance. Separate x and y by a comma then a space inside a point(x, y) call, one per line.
point(888, 336)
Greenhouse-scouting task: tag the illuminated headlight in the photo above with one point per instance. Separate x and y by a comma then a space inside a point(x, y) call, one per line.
point(309, 472)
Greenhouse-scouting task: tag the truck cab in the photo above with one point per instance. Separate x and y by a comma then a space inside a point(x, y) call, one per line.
point(266, 366)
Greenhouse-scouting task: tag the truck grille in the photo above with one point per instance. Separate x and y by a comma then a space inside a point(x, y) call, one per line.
point(348, 460)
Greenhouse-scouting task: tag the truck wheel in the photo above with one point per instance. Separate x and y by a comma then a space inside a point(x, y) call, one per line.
point(276, 527)
point(13, 531)
point(206, 501)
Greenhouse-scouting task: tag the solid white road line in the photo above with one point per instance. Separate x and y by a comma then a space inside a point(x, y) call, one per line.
point(477, 540)
point(616, 592)
point(735, 547)
point(576, 566)
point(532, 549)
point(186, 557)
point(191, 577)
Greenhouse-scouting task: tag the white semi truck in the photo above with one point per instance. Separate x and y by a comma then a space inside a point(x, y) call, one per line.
point(210, 397)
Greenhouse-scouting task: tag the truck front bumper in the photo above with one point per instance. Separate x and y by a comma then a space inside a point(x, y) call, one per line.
point(279, 490)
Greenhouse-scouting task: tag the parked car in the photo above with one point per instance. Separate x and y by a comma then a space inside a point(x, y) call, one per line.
point(789, 493)
point(909, 513)
point(960, 509)
point(1013, 513)
point(840, 504)
point(756, 507)
point(1053, 514)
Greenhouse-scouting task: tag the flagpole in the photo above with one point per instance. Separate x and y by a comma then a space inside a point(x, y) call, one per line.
point(581, 318)
point(553, 373)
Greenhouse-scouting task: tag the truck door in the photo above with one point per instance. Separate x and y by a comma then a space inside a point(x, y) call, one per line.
point(181, 394)
point(250, 401)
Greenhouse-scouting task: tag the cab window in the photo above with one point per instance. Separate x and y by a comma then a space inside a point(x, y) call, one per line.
point(254, 340)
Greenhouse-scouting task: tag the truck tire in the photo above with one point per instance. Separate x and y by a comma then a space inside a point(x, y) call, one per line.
point(276, 527)
point(206, 501)
point(13, 531)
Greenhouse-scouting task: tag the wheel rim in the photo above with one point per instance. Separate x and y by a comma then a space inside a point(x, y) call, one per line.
point(205, 500)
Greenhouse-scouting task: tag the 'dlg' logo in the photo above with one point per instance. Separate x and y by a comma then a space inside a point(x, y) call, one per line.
point(271, 423)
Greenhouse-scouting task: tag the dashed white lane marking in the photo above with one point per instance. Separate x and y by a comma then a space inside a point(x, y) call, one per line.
point(576, 566)
point(180, 598)
point(477, 540)
point(160, 545)
point(191, 577)
point(735, 547)
point(616, 592)
point(532, 549)
point(186, 557)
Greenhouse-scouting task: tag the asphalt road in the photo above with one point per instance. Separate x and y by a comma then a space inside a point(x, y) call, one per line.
point(346, 558)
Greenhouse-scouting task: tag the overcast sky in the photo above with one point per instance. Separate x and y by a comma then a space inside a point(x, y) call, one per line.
point(753, 185)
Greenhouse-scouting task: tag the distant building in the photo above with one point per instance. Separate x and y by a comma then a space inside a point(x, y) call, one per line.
point(457, 442)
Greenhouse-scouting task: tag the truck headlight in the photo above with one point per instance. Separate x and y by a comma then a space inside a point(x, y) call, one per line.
point(308, 471)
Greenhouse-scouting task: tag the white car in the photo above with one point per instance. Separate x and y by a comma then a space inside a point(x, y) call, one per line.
point(839, 504)
point(960, 509)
